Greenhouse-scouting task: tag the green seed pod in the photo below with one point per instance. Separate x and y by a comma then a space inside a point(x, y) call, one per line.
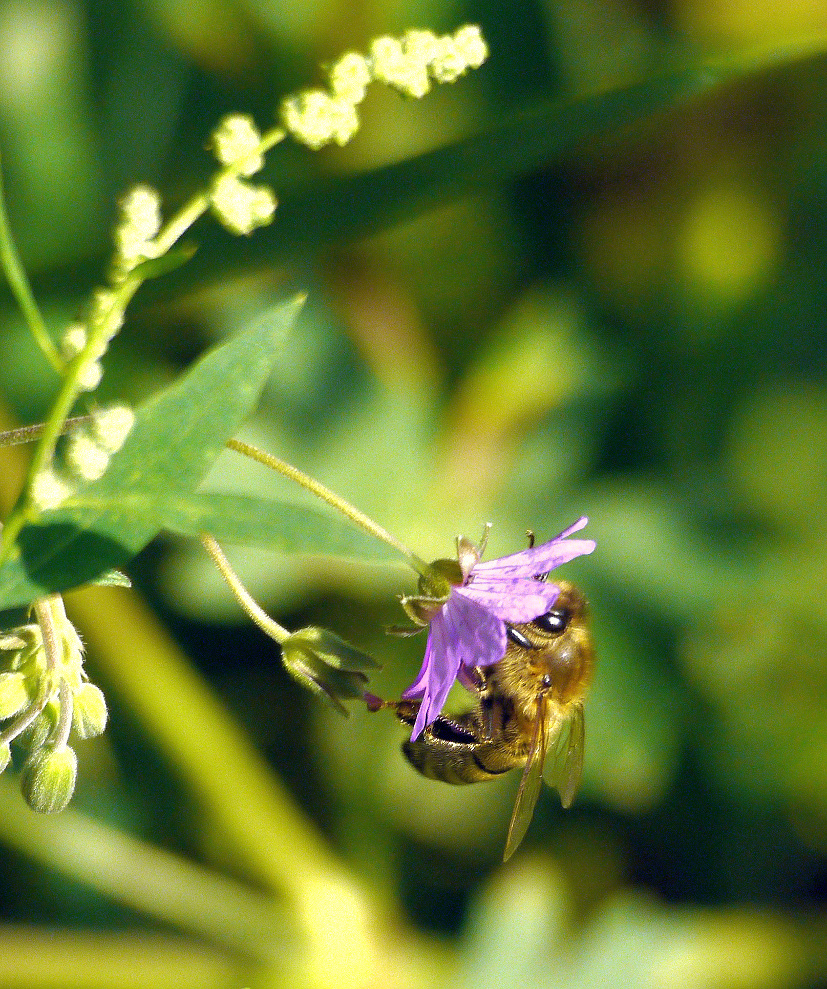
point(5, 755)
point(48, 779)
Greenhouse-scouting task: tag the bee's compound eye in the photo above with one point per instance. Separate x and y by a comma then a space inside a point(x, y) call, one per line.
point(555, 621)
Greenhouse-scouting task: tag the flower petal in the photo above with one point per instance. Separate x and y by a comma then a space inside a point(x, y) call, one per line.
point(478, 631)
point(417, 688)
point(539, 559)
point(440, 674)
point(462, 634)
point(518, 599)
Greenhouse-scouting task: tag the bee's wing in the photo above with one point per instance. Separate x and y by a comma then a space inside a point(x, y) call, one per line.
point(564, 765)
point(531, 780)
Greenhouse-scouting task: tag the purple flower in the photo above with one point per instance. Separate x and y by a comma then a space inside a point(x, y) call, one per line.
point(468, 629)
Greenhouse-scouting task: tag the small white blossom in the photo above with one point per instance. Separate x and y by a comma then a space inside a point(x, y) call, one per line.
point(140, 221)
point(394, 66)
point(111, 426)
point(421, 45)
point(240, 206)
point(316, 118)
point(141, 210)
point(345, 121)
point(49, 490)
point(471, 45)
point(106, 313)
point(236, 141)
point(85, 458)
point(349, 78)
point(74, 340)
point(448, 63)
point(90, 375)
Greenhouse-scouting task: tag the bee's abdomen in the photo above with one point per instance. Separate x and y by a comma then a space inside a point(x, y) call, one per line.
point(452, 752)
point(446, 764)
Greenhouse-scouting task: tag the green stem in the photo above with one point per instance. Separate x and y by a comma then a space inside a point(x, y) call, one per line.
point(251, 608)
point(19, 284)
point(332, 499)
point(43, 610)
point(67, 396)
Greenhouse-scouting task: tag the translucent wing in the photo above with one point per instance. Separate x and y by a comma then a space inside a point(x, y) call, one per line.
point(564, 765)
point(531, 780)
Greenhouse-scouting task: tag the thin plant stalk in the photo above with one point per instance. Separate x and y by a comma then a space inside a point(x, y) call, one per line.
point(332, 499)
point(251, 608)
point(21, 289)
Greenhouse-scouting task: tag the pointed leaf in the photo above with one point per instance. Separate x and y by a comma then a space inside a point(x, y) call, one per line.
point(176, 437)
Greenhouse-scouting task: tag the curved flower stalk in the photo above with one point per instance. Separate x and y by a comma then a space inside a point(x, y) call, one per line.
point(467, 604)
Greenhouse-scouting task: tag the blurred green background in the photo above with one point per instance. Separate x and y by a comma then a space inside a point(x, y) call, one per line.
point(635, 333)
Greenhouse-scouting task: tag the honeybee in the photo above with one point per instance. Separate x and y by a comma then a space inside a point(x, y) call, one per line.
point(528, 712)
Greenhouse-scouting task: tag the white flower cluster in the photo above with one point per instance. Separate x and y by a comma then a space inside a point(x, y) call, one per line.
point(237, 141)
point(107, 316)
point(139, 223)
point(240, 206)
point(87, 456)
point(410, 64)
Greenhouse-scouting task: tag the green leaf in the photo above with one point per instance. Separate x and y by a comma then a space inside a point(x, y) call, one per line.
point(284, 526)
point(172, 259)
point(176, 437)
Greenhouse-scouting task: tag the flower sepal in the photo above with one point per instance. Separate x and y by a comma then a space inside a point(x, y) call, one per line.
point(420, 609)
point(326, 665)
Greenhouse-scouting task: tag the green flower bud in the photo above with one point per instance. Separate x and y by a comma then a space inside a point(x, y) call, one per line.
point(48, 779)
point(5, 755)
point(10, 642)
point(89, 713)
point(14, 695)
point(326, 665)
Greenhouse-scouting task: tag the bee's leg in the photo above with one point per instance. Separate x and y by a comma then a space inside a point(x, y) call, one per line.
point(462, 730)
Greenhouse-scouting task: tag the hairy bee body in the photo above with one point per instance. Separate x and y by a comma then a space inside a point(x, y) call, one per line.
point(523, 704)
